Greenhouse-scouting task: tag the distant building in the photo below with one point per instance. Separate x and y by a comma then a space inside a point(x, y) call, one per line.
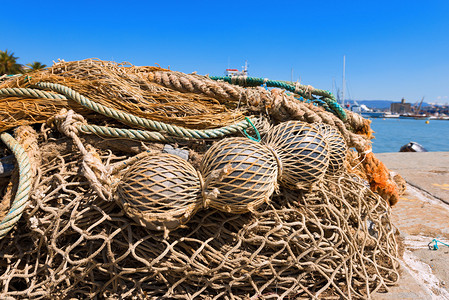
point(435, 109)
point(401, 107)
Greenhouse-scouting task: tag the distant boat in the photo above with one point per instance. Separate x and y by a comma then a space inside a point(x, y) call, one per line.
point(413, 147)
point(439, 117)
point(373, 114)
point(417, 115)
point(236, 72)
point(355, 107)
point(365, 111)
point(390, 115)
point(414, 116)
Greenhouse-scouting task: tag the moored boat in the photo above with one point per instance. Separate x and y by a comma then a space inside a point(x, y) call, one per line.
point(390, 115)
point(414, 116)
point(373, 114)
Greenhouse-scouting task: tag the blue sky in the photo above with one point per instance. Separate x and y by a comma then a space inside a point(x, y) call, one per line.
point(393, 49)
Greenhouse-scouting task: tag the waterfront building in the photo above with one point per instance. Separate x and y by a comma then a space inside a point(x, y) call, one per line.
point(400, 107)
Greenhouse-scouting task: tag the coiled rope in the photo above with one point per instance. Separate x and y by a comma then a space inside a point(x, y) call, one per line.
point(303, 90)
point(24, 186)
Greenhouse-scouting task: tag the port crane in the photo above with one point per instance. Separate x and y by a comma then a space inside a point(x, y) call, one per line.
point(419, 107)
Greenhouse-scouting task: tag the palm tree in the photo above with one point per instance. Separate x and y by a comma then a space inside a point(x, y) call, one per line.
point(8, 63)
point(36, 66)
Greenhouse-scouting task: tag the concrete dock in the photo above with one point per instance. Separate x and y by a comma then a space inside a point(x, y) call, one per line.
point(422, 215)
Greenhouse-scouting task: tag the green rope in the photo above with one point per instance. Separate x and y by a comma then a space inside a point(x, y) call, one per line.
point(24, 186)
point(318, 92)
point(143, 122)
point(32, 93)
point(257, 139)
point(94, 129)
point(133, 134)
point(326, 96)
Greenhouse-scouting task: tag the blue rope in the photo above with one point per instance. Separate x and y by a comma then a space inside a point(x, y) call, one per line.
point(435, 246)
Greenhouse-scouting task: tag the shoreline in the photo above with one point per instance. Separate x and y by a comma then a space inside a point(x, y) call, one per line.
point(426, 171)
point(421, 215)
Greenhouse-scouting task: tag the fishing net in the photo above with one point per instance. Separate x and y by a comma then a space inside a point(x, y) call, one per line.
point(118, 86)
point(332, 240)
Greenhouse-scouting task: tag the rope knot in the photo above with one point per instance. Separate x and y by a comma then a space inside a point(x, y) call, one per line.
point(68, 122)
point(98, 175)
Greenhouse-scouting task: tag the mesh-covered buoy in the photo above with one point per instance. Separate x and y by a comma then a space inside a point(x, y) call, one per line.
point(160, 191)
point(302, 150)
point(336, 146)
point(239, 175)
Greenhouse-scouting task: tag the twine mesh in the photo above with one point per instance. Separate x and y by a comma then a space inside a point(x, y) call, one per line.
point(336, 146)
point(334, 240)
point(302, 150)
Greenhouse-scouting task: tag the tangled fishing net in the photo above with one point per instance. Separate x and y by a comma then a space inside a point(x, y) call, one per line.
point(329, 239)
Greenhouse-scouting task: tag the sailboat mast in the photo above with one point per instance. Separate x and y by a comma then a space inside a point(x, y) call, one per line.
point(344, 83)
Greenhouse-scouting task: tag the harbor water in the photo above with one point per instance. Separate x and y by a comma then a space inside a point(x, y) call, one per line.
point(392, 134)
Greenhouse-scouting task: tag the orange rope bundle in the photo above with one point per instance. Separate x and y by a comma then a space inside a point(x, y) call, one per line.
point(379, 179)
point(366, 129)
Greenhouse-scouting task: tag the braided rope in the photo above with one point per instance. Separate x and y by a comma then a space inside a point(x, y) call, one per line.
point(254, 98)
point(33, 93)
point(301, 90)
point(315, 91)
point(24, 187)
point(142, 122)
point(134, 134)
